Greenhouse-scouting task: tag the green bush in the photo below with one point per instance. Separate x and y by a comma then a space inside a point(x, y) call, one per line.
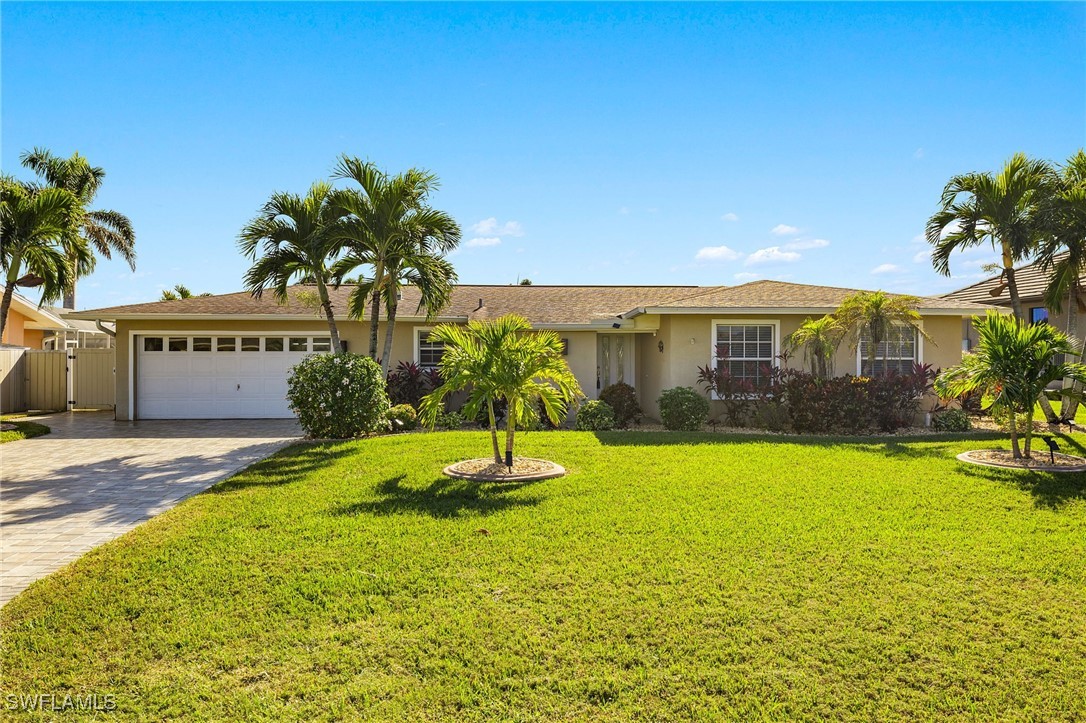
point(622, 398)
point(772, 416)
point(449, 420)
point(402, 418)
point(682, 409)
point(951, 420)
point(338, 396)
point(595, 416)
point(1002, 417)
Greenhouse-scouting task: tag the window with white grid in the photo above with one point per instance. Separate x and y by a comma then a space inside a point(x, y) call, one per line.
point(899, 353)
point(745, 350)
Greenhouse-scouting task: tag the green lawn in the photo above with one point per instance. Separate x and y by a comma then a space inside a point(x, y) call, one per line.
point(25, 429)
point(666, 577)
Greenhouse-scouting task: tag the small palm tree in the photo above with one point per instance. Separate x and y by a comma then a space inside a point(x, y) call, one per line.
point(1012, 363)
point(819, 339)
point(180, 291)
point(874, 317)
point(35, 237)
point(1003, 210)
point(503, 360)
point(106, 232)
point(389, 228)
point(294, 237)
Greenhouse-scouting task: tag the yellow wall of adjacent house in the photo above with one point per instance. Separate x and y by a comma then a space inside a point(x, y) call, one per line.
point(14, 333)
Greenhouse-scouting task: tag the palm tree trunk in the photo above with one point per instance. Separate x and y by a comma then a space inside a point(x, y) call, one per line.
point(1029, 431)
point(1012, 285)
point(375, 310)
point(510, 429)
point(9, 290)
point(494, 431)
point(1016, 452)
point(326, 304)
point(390, 326)
point(1070, 404)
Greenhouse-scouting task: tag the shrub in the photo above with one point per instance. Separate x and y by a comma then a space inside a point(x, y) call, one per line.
point(337, 396)
point(449, 420)
point(772, 416)
point(852, 404)
point(595, 416)
point(682, 409)
point(501, 408)
point(402, 418)
point(622, 398)
point(408, 383)
point(951, 420)
point(737, 395)
point(1002, 416)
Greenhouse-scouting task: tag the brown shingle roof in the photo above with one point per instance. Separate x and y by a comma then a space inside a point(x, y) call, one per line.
point(1031, 281)
point(780, 294)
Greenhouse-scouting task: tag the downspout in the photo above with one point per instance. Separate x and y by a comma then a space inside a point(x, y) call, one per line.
point(105, 329)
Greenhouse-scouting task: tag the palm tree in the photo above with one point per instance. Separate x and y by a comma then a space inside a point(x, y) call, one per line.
point(501, 360)
point(294, 237)
point(874, 317)
point(389, 228)
point(35, 236)
point(1003, 210)
point(105, 231)
point(180, 291)
point(1012, 363)
point(819, 339)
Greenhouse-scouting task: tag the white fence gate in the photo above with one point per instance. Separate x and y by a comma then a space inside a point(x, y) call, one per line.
point(56, 381)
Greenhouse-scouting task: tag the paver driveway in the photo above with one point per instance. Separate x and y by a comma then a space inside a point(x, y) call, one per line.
point(93, 479)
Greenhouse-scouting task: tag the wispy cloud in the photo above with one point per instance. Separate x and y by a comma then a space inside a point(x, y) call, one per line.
point(624, 211)
point(771, 255)
point(482, 241)
point(729, 217)
point(717, 253)
point(805, 244)
point(887, 269)
point(746, 276)
point(922, 257)
point(783, 229)
point(491, 227)
point(918, 153)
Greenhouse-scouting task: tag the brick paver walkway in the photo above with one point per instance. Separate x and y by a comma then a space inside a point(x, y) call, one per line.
point(93, 479)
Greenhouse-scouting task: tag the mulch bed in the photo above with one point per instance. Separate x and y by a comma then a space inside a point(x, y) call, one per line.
point(1039, 462)
point(523, 469)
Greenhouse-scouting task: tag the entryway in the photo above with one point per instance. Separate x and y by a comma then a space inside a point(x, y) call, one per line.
point(614, 360)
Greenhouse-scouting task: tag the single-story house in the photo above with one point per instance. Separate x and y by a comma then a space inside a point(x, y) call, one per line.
point(27, 324)
point(228, 356)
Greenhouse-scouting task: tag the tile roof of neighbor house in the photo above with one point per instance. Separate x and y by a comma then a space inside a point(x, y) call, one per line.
point(1031, 281)
point(542, 305)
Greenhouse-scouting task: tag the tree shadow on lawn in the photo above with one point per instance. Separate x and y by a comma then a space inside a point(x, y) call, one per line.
point(1050, 490)
point(444, 498)
point(290, 464)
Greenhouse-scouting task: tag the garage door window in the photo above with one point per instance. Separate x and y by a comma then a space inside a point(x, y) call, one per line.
point(201, 343)
point(152, 343)
point(273, 344)
point(299, 343)
point(179, 343)
point(226, 343)
point(322, 343)
point(250, 343)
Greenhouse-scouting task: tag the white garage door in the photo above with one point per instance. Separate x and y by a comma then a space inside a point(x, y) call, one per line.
point(218, 377)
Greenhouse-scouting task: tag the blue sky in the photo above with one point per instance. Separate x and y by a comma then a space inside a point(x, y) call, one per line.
point(576, 143)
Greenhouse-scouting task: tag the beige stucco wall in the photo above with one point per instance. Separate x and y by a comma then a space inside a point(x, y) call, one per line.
point(13, 330)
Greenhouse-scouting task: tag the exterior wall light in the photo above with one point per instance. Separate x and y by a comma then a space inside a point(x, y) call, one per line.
point(660, 346)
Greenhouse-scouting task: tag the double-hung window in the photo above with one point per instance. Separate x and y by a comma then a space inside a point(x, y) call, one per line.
point(429, 352)
point(899, 353)
point(745, 349)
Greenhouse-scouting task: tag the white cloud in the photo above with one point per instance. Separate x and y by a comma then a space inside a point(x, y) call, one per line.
point(482, 241)
point(746, 276)
point(772, 254)
point(491, 227)
point(919, 239)
point(918, 153)
point(783, 229)
point(803, 245)
point(717, 253)
point(922, 256)
point(887, 269)
point(729, 217)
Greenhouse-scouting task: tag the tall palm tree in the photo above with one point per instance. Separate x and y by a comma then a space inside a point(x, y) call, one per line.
point(819, 339)
point(35, 238)
point(389, 228)
point(1012, 363)
point(107, 232)
point(874, 317)
point(1063, 256)
point(504, 359)
point(294, 237)
point(1002, 209)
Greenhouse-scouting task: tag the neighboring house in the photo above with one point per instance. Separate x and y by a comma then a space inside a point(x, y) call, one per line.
point(27, 325)
point(1031, 280)
point(77, 334)
point(228, 356)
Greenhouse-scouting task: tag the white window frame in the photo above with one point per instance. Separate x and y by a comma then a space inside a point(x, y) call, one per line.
point(919, 350)
point(419, 330)
point(775, 323)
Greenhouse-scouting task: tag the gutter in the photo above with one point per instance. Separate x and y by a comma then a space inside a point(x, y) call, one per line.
point(105, 329)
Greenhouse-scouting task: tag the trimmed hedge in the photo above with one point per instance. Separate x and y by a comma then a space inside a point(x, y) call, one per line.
point(682, 409)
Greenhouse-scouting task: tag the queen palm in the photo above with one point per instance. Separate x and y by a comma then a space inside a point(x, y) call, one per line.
point(294, 238)
point(504, 360)
point(1003, 210)
point(389, 228)
point(106, 232)
point(819, 339)
point(35, 238)
point(874, 317)
point(179, 291)
point(1012, 364)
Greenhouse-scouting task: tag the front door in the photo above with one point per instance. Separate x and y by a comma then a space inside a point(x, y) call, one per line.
point(614, 360)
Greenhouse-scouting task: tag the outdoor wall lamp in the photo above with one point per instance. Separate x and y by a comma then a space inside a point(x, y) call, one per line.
point(660, 346)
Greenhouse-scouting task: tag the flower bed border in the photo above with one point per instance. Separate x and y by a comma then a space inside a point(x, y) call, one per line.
point(965, 457)
point(556, 470)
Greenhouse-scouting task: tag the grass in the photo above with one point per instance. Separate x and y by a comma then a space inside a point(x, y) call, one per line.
point(668, 576)
point(23, 430)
